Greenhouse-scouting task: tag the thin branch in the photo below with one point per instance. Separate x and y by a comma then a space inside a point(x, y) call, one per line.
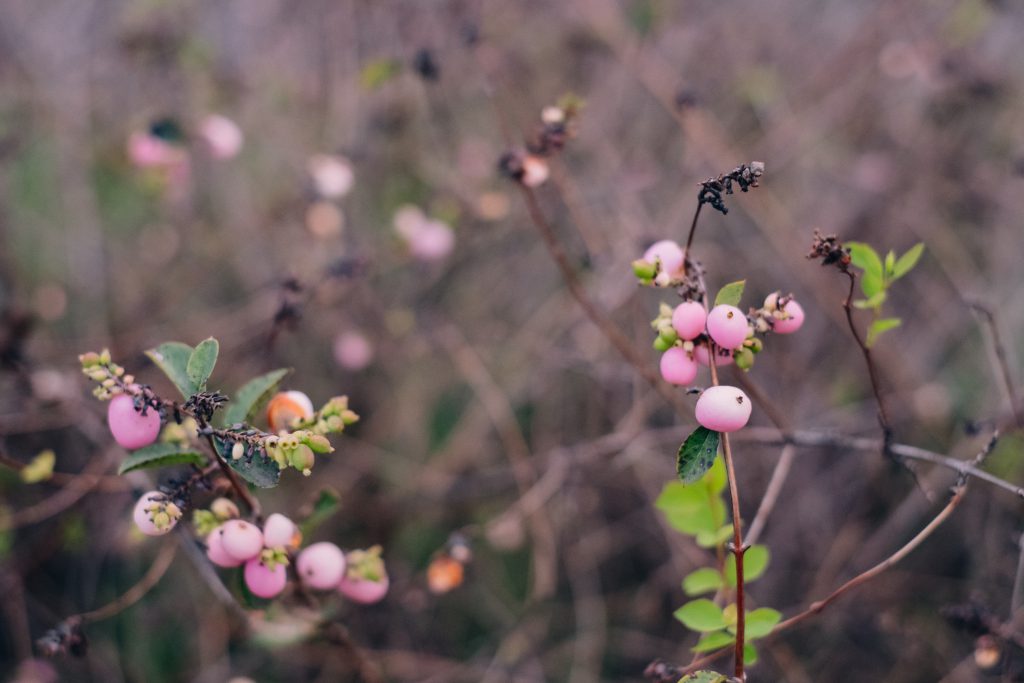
point(1001, 360)
point(138, 591)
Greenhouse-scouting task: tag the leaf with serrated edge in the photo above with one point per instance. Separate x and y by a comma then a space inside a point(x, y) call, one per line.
point(252, 396)
point(172, 358)
point(730, 294)
point(160, 455)
point(201, 363)
point(697, 454)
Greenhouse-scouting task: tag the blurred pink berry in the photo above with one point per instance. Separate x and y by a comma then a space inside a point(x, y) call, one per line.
point(793, 321)
point(535, 171)
point(727, 326)
point(321, 566)
point(215, 550)
point(264, 582)
point(222, 136)
point(722, 358)
point(146, 150)
point(241, 540)
point(677, 367)
point(280, 532)
point(155, 514)
point(723, 409)
point(352, 350)
point(671, 257)
point(132, 429)
point(364, 591)
point(432, 242)
point(332, 175)
point(689, 319)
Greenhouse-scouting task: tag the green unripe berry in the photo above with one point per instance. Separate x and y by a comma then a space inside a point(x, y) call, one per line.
point(661, 345)
point(744, 358)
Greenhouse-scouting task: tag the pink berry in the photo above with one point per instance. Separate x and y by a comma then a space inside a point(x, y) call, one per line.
point(727, 326)
point(215, 550)
point(793, 321)
point(321, 566)
point(723, 409)
point(241, 540)
point(364, 591)
point(353, 350)
point(677, 367)
point(155, 514)
point(671, 256)
point(132, 429)
point(723, 357)
point(264, 582)
point(279, 532)
point(689, 319)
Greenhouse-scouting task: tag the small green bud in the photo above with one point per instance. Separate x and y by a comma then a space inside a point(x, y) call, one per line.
point(302, 458)
point(668, 333)
point(105, 356)
point(224, 509)
point(319, 443)
point(661, 345)
point(89, 359)
point(349, 416)
point(744, 358)
point(754, 344)
point(645, 270)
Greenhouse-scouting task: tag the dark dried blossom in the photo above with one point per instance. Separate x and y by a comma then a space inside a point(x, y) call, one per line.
point(745, 176)
point(830, 250)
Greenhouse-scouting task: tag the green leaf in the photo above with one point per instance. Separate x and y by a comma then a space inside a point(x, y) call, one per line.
point(866, 258)
point(890, 263)
point(697, 454)
point(874, 302)
point(326, 504)
point(253, 396)
point(760, 622)
point(704, 677)
point(710, 539)
point(749, 654)
point(879, 326)
point(755, 560)
point(716, 479)
point(713, 641)
point(872, 285)
point(689, 509)
point(160, 455)
point(701, 615)
point(40, 468)
point(907, 262)
point(172, 358)
point(731, 294)
point(259, 470)
point(704, 580)
point(201, 363)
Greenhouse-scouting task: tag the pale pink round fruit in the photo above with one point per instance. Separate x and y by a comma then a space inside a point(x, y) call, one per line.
point(723, 409)
point(132, 429)
point(793, 321)
point(155, 514)
point(364, 591)
point(222, 136)
point(279, 531)
point(689, 320)
point(671, 256)
point(264, 582)
point(353, 350)
point(723, 357)
point(677, 367)
point(727, 326)
point(321, 566)
point(215, 550)
point(241, 540)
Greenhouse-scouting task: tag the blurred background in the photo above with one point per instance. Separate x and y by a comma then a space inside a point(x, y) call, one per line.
point(315, 184)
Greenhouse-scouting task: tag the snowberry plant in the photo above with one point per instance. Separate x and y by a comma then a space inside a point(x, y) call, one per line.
point(232, 446)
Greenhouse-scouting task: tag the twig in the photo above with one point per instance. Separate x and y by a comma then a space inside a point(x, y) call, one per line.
point(138, 591)
point(1001, 360)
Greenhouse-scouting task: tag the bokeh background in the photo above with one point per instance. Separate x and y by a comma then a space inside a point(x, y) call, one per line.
point(491, 405)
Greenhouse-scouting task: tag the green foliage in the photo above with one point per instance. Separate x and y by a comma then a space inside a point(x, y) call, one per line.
point(172, 358)
point(704, 677)
point(877, 277)
point(327, 502)
point(697, 454)
point(253, 396)
point(703, 580)
point(201, 363)
point(701, 615)
point(760, 622)
point(731, 294)
point(715, 640)
point(695, 508)
point(160, 455)
point(259, 470)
